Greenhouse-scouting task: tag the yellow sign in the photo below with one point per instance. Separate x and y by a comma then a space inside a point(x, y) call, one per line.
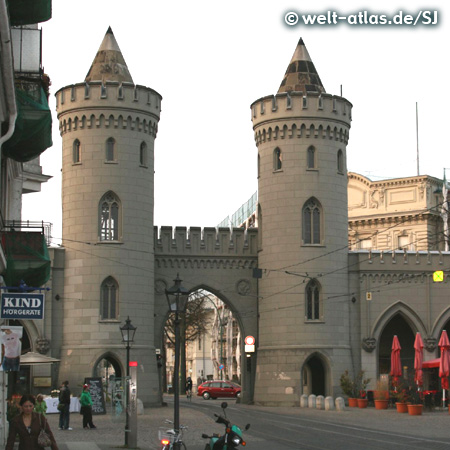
point(368, 296)
point(438, 276)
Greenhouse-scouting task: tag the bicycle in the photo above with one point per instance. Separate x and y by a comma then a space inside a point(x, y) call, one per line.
point(170, 439)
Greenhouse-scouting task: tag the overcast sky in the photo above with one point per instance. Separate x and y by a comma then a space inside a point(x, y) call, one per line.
point(211, 60)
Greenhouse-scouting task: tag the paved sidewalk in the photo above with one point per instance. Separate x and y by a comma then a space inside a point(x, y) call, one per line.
point(110, 431)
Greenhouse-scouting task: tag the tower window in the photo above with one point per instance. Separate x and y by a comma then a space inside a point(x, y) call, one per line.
point(313, 301)
point(109, 299)
point(109, 217)
point(340, 161)
point(277, 159)
point(311, 222)
point(143, 154)
point(311, 158)
point(76, 153)
point(110, 155)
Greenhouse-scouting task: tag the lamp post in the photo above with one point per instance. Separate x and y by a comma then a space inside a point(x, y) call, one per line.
point(177, 297)
point(128, 331)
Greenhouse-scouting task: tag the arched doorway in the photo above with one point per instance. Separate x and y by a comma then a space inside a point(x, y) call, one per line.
point(314, 376)
point(107, 368)
point(397, 326)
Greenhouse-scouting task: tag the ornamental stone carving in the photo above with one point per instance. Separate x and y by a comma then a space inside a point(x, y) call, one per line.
point(369, 344)
point(430, 344)
point(42, 345)
point(243, 287)
point(160, 286)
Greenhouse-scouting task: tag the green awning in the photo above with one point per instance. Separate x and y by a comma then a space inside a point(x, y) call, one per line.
point(27, 258)
point(27, 12)
point(33, 130)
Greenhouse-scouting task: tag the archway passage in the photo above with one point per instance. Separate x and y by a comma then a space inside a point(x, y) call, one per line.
point(107, 368)
point(316, 376)
point(399, 327)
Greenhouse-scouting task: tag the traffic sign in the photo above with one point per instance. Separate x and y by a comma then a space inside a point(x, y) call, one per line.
point(249, 340)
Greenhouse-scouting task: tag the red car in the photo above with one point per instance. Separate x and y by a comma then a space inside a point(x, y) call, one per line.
point(216, 389)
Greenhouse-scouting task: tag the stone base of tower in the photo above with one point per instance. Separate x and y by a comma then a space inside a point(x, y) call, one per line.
point(284, 374)
point(79, 363)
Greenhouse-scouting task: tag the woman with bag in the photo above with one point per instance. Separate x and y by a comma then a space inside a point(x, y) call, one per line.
point(86, 408)
point(33, 429)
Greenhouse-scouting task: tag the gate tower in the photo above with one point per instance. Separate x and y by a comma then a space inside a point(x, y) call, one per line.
point(301, 134)
point(108, 125)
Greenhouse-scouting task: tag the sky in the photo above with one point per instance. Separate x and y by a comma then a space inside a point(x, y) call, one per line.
point(210, 61)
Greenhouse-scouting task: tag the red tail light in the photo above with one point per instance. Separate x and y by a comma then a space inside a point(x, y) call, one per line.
point(165, 441)
point(228, 430)
point(243, 443)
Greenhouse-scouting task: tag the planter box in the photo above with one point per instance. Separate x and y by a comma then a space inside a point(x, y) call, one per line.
point(362, 402)
point(381, 404)
point(353, 402)
point(415, 410)
point(402, 407)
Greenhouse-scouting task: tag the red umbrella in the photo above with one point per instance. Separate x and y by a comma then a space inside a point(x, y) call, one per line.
point(444, 364)
point(396, 365)
point(418, 359)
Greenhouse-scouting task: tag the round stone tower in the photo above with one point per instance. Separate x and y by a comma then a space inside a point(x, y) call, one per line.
point(301, 134)
point(108, 125)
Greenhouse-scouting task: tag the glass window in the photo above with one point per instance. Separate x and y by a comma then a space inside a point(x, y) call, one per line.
point(109, 298)
point(109, 217)
point(311, 158)
point(143, 154)
point(313, 301)
point(76, 157)
point(340, 161)
point(311, 222)
point(277, 160)
point(110, 150)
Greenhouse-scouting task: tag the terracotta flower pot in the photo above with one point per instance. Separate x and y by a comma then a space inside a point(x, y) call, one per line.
point(381, 404)
point(415, 410)
point(353, 402)
point(362, 402)
point(402, 407)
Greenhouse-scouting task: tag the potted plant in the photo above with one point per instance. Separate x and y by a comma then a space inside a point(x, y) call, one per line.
point(381, 396)
point(361, 384)
point(349, 388)
point(416, 405)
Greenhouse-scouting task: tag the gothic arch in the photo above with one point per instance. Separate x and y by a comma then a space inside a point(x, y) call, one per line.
point(439, 323)
point(112, 358)
point(315, 374)
point(410, 316)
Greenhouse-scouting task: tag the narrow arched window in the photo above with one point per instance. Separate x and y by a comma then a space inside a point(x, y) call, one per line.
point(277, 159)
point(76, 152)
point(313, 301)
point(143, 154)
point(311, 158)
point(312, 222)
point(109, 217)
point(110, 150)
point(109, 296)
point(340, 161)
point(259, 166)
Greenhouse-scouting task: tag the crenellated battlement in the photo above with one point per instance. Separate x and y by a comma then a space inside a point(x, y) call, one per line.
point(113, 104)
point(314, 115)
point(211, 242)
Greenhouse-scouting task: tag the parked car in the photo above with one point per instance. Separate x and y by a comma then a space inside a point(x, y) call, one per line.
point(218, 388)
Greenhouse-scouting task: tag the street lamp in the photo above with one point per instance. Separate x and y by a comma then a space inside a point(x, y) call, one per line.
point(177, 297)
point(128, 331)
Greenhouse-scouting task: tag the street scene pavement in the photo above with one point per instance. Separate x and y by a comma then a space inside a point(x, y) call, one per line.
point(281, 428)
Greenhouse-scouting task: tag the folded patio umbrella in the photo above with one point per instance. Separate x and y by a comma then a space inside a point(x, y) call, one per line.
point(396, 365)
point(444, 364)
point(418, 360)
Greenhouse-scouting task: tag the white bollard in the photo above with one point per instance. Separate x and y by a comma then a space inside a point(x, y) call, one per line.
point(329, 403)
point(320, 402)
point(304, 401)
point(312, 401)
point(340, 404)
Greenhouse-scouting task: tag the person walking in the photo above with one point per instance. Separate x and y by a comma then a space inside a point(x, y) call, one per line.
point(40, 406)
point(64, 413)
point(86, 408)
point(28, 425)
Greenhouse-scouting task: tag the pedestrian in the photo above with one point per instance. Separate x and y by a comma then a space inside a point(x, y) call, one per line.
point(86, 408)
point(40, 406)
point(28, 425)
point(64, 410)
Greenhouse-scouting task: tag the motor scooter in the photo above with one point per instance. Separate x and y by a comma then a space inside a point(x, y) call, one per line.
point(232, 437)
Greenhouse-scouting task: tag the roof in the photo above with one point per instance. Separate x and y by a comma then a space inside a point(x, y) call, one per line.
point(109, 63)
point(301, 75)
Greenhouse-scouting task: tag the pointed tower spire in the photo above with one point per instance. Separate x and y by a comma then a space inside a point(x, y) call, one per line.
point(109, 63)
point(301, 75)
